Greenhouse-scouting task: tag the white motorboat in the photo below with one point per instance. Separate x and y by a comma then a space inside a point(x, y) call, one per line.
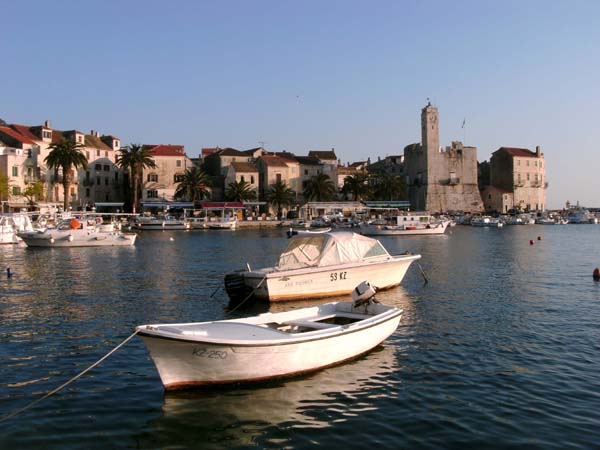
point(226, 222)
point(407, 224)
point(293, 232)
point(320, 265)
point(79, 232)
point(13, 224)
point(160, 222)
point(269, 345)
point(486, 221)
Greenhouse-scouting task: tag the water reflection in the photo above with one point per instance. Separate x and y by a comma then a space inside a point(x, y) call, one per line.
point(239, 416)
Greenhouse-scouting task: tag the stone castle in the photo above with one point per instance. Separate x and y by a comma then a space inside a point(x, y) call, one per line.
point(441, 180)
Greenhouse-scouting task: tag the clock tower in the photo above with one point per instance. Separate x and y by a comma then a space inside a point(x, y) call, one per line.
point(430, 130)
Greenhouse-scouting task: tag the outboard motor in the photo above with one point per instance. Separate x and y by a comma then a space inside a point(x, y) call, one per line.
point(363, 293)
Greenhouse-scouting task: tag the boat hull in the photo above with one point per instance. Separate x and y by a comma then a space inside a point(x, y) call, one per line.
point(77, 239)
point(183, 364)
point(379, 230)
point(327, 281)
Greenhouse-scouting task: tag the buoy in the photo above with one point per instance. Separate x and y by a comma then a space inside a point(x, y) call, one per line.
point(596, 274)
point(9, 273)
point(171, 239)
point(74, 224)
point(539, 238)
point(531, 242)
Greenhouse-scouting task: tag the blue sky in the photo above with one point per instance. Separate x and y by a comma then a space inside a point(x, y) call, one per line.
point(315, 75)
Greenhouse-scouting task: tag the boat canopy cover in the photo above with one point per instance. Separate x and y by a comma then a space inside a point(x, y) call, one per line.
point(326, 249)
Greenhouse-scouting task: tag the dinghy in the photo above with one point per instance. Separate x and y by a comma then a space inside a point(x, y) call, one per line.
point(269, 345)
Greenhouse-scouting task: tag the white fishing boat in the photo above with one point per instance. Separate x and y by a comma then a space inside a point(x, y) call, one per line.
point(409, 224)
point(269, 345)
point(11, 225)
point(226, 222)
point(293, 232)
point(320, 265)
point(79, 232)
point(486, 221)
point(160, 222)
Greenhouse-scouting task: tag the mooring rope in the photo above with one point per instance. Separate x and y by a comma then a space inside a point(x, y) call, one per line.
point(249, 295)
point(80, 374)
point(423, 273)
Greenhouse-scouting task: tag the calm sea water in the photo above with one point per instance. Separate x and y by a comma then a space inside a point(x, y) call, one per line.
point(500, 349)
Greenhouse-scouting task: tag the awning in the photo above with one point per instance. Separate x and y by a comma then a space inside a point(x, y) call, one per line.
point(167, 205)
point(221, 205)
point(108, 204)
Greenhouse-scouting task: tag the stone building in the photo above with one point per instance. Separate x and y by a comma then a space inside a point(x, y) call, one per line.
point(160, 182)
point(440, 180)
point(242, 171)
point(522, 173)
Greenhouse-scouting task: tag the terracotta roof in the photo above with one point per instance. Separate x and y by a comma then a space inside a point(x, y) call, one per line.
point(95, 142)
point(25, 131)
point(209, 151)
point(244, 167)
point(232, 152)
point(523, 152)
point(308, 160)
point(274, 161)
point(329, 154)
point(15, 135)
point(287, 156)
point(166, 150)
point(358, 163)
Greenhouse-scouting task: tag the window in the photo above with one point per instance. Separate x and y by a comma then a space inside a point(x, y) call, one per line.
point(305, 171)
point(87, 175)
point(527, 177)
point(105, 154)
point(29, 153)
point(178, 164)
point(152, 193)
point(16, 190)
point(116, 176)
point(98, 167)
point(489, 196)
point(528, 163)
point(87, 192)
point(98, 153)
point(178, 178)
point(87, 154)
point(106, 167)
point(72, 192)
point(252, 179)
point(106, 181)
point(242, 179)
point(15, 171)
point(278, 177)
point(98, 180)
point(152, 177)
point(79, 139)
point(46, 134)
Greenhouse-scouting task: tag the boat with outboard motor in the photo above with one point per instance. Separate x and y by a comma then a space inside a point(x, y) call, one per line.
point(318, 265)
point(269, 345)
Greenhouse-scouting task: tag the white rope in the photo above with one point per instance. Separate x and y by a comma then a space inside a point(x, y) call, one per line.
point(35, 402)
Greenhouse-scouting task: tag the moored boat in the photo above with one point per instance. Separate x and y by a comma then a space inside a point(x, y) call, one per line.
point(269, 345)
point(13, 224)
point(320, 265)
point(160, 222)
point(405, 225)
point(79, 232)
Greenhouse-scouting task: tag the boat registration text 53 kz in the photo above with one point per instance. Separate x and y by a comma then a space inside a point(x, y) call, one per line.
point(334, 276)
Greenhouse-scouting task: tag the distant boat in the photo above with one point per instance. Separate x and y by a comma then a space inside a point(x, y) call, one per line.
point(269, 345)
point(486, 221)
point(405, 224)
point(160, 222)
point(79, 232)
point(293, 232)
point(318, 265)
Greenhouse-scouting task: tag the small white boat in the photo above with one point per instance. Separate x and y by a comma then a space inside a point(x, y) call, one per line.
point(161, 222)
point(486, 221)
point(405, 225)
point(270, 345)
point(293, 232)
point(225, 222)
point(79, 232)
point(318, 265)
point(13, 224)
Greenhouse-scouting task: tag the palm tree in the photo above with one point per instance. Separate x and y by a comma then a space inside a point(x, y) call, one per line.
point(281, 195)
point(195, 185)
point(319, 188)
point(357, 185)
point(240, 191)
point(65, 155)
point(390, 187)
point(135, 158)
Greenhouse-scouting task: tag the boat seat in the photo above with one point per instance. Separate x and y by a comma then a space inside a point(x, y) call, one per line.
point(350, 315)
point(310, 324)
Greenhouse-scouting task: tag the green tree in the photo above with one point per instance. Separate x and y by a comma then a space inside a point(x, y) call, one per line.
point(390, 187)
point(240, 191)
point(67, 156)
point(135, 158)
point(319, 188)
point(357, 185)
point(280, 195)
point(33, 191)
point(4, 190)
point(195, 185)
